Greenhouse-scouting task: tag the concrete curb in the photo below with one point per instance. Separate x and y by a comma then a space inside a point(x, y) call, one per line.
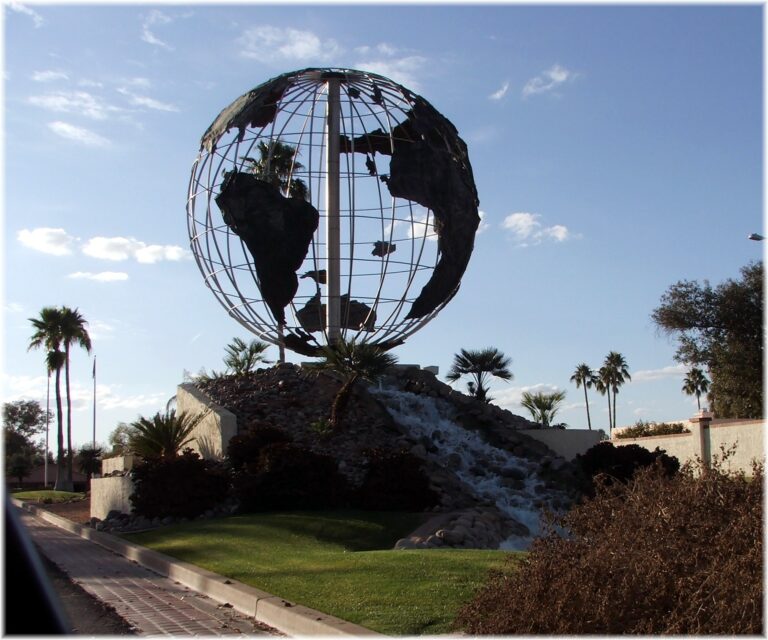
point(288, 617)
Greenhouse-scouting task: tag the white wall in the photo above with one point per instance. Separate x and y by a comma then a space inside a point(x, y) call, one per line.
point(214, 431)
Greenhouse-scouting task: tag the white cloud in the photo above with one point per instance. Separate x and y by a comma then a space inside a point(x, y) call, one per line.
point(155, 18)
point(527, 229)
point(672, 371)
point(402, 70)
point(13, 307)
point(547, 80)
point(118, 249)
point(108, 399)
point(20, 8)
point(56, 242)
point(79, 102)
point(49, 76)
point(483, 226)
point(99, 330)
point(274, 44)
point(78, 134)
point(498, 95)
point(103, 276)
point(145, 101)
point(510, 397)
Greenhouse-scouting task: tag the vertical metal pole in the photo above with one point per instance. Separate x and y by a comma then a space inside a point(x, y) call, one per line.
point(94, 402)
point(332, 221)
point(47, 426)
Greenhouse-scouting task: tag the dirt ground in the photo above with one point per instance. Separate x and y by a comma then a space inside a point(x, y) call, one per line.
point(79, 512)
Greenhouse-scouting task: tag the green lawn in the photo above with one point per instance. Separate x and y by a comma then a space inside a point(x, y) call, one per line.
point(46, 496)
point(337, 562)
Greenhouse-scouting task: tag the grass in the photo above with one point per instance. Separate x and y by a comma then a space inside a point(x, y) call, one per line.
point(47, 496)
point(340, 563)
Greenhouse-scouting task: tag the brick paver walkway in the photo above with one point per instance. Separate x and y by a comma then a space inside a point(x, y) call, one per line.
point(154, 605)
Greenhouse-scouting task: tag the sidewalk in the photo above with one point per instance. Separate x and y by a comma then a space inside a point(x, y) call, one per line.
point(152, 604)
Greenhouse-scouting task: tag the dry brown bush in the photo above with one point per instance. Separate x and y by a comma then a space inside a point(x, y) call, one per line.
point(680, 555)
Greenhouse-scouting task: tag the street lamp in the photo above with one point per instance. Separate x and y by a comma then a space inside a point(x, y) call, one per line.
point(755, 236)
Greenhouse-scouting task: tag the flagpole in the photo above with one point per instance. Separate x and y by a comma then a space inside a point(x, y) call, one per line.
point(94, 402)
point(47, 426)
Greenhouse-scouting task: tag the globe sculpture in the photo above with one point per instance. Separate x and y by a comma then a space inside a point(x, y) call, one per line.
point(330, 204)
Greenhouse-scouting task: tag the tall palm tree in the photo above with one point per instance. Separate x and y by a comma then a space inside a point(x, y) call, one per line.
point(47, 335)
point(241, 358)
point(277, 165)
point(480, 364)
point(603, 387)
point(584, 376)
point(618, 374)
point(73, 331)
point(543, 406)
point(353, 361)
point(695, 383)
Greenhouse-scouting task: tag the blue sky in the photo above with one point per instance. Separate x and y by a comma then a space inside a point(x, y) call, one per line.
point(616, 150)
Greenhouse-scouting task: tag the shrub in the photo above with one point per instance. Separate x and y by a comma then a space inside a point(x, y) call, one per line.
point(658, 555)
point(182, 487)
point(394, 481)
point(645, 429)
point(285, 476)
point(245, 448)
point(620, 463)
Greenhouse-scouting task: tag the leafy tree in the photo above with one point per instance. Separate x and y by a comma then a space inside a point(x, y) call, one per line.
point(543, 406)
point(47, 335)
point(163, 435)
point(616, 373)
point(353, 361)
point(695, 384)
point(583, 376)
point(20, 465)
point(480, 364)
point(119, 439)
point(23, 420)
point(721, 328)
point(241, 357)
point(277, 165)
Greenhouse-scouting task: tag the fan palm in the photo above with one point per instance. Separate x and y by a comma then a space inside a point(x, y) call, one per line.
point(543, 406)
point(584, 376)
point(353, 361)
point(89, 460)
point(47, 335)
point(277, 165)
point(73, 331)
point(695, 383)
point(618, 374)
point(480, 364)
point(241, 357)
point(163, 435)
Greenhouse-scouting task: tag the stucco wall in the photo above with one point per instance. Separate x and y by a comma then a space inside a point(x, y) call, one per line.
point(567, 443)
point(214, 431)
point(110, 494)
point(117, 463)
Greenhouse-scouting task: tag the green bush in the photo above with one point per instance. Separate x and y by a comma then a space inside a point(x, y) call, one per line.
point(182, 487)
point(620, 463)
point(245, 448)
point(645, 429)
point(657, 555)
point(394, 481)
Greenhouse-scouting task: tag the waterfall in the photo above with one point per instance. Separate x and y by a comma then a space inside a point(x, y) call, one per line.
point(486, 469)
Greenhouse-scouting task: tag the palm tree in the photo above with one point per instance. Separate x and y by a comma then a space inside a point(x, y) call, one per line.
point(480, 364)
point(277, 165)
point(618, 374)
point(353, 361)
point(89, 460)
point(695, 383)
point(48, 335)
point(241, 357)
point(543, 406)
point(73, 331)
point(163, 435)
point(603, 387)
point(584, 376)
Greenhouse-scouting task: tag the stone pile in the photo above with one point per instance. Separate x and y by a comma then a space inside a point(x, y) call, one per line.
point(118, 522)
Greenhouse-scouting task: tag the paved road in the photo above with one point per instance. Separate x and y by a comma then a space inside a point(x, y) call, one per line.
point(150, 603)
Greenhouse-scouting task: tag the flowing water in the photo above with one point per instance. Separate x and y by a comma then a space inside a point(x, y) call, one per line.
point(489, 471)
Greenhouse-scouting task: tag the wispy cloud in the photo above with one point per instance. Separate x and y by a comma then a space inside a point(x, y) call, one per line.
point(483, 226)
point(18, 7)
point(13, 307)
point(548, 80)
point(49, 76)
point(78, 134)
point(55, 242)
point(498, 95)
point(79, 102)
point(146, 101)
point(102, 276)
point(510, 397)
point(527, 229)
point(275, 44)
point(118, 249)
point(402, 66)
point(672, 371)
point(154, 19)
